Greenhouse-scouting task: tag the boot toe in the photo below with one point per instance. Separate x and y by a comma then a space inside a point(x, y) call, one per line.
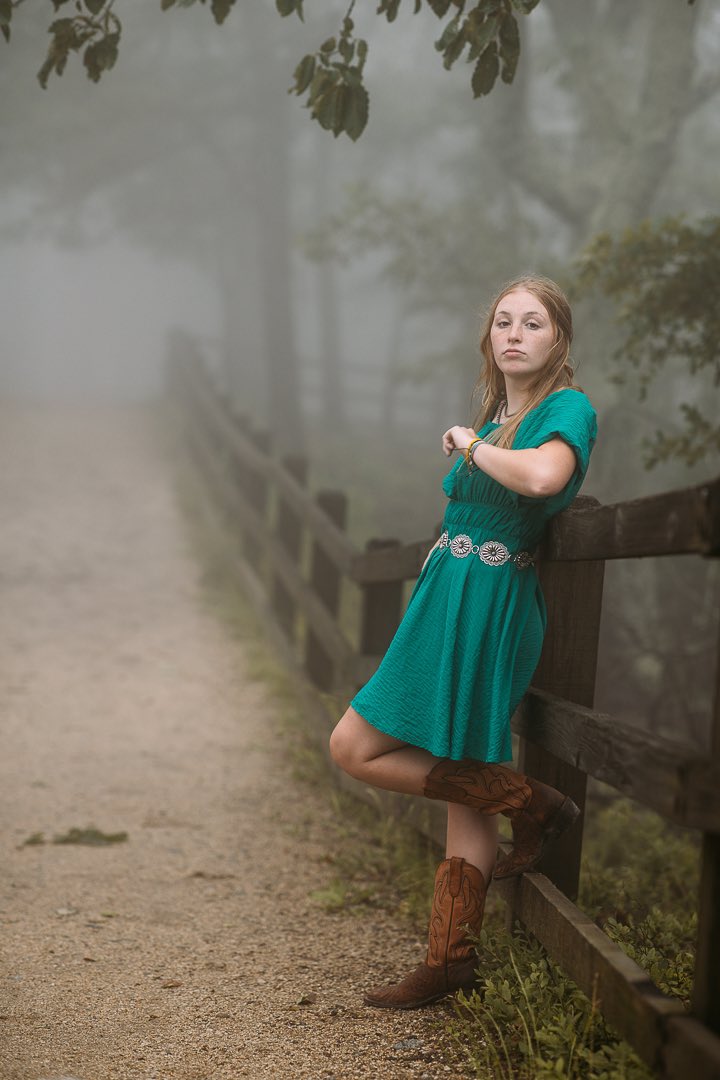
point(423, 986)
point(420, 987)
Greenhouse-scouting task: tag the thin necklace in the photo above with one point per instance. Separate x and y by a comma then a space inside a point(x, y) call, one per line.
point(508, 415)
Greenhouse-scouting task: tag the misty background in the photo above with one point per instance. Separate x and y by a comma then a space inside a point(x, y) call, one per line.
point(336, 289)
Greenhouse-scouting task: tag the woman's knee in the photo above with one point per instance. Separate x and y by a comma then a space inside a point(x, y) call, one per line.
point(341, 746)
point(344, 746)
point(353, 743)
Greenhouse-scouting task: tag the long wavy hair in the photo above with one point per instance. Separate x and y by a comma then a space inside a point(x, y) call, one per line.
point(557, 373)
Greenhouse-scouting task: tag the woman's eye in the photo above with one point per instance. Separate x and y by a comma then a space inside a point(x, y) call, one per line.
point(533, 326)
point(501, 323)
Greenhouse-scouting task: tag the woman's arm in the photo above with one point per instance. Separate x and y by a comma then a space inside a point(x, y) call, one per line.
point(538, 472)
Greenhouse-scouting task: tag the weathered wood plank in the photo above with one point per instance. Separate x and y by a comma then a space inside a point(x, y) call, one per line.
point(398, 563)
point(317, 616)
point(627, 998)
point(706, 988)
point(325, 580)
point(381, 607)
point(680, 522)
point(664, 775)
point(691, 1050)
point(288, 533)
point(333, 540)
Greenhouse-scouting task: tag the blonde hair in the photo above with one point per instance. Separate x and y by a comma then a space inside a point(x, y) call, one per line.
point(556, 374)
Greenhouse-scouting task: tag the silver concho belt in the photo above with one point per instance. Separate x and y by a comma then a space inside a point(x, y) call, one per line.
point(492, 552)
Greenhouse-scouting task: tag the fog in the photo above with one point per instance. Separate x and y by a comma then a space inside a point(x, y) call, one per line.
point(180, 192)
point(184, 192)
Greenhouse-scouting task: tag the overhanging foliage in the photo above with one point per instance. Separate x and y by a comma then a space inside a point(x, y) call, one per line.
point(665, 278)
point(484, 32)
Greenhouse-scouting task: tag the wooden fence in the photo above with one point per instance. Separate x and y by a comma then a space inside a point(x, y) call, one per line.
point(563, 740)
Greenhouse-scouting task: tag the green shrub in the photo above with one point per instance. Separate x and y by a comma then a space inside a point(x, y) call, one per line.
point(529, 1021)
point(640, 884)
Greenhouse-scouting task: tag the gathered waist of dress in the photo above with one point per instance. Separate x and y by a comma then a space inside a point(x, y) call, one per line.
point(491, 552)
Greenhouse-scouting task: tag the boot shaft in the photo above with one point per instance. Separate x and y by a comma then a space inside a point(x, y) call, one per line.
point(457, 911)
point(488, 788)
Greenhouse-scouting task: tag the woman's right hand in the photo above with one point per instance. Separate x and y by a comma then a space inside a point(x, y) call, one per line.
point(457, 438)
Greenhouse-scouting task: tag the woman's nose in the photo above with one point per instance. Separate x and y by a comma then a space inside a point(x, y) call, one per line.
point(515, 332)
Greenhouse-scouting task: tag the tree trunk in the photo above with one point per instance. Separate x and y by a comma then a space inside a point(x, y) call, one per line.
point(271, 173)
point(333, 398)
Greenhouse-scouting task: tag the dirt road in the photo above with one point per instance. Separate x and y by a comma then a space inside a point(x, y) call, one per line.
point(194, 948)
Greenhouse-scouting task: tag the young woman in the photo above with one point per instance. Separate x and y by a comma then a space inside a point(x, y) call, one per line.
point(434, 719)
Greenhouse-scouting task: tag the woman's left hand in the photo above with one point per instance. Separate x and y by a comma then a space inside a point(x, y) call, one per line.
point(457, 438)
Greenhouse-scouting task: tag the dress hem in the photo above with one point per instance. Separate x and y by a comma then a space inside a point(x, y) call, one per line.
point(431, 749)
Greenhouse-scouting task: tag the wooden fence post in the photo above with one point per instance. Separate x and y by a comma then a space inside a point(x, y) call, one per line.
point(706, 986)
point(567, 668)
point(289, 534)
point(325, 581)
point(381, 607)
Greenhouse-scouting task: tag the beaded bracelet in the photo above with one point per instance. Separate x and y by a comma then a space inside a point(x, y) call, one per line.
point(472, 467)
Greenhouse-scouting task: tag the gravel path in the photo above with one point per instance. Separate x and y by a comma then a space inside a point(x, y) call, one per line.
point(194, 949)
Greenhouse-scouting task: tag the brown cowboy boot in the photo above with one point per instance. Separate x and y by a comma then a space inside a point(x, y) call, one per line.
point(538, 812)
point(458, 904)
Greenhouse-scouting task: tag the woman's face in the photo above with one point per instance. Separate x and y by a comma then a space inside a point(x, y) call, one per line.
point(522, 335)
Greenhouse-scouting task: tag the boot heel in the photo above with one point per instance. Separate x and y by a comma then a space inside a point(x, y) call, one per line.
point(566, 816)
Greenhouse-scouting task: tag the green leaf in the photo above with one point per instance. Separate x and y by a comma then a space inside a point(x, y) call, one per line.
point(287, 7)
point(456, 46)
point(449, 34)
point(440, 7)
point(304, 74)
point(480, 32)
point(6, 10)
point(101, 56)
point(486, 71)
point(356, 112)
point(165, 4)
point(346, 49)
point(509, 47)
point(322, 81)
point(388, 8)
point(221, 9)
point(328, 46)
point(326, 108)
point(94, 6)
point(526, 6)
point(5, 31)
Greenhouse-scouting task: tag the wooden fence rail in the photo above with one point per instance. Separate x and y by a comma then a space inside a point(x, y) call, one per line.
point(284, 530)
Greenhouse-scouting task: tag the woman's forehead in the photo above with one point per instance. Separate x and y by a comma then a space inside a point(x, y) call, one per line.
point(522, 300)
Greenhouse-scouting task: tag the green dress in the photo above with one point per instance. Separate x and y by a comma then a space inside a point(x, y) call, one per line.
point(470, 640)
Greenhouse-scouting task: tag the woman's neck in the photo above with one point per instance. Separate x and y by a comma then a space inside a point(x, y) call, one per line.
point(515, 400)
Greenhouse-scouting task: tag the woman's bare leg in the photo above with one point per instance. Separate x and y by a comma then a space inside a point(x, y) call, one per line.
point(473, 837)
point(378, 759)
point(385, 762)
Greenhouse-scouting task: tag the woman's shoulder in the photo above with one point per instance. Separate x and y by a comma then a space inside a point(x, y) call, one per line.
point(568, 395)
point(569, 399)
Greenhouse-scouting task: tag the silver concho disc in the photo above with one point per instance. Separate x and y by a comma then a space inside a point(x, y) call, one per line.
point(461, 546)
point(494, 553)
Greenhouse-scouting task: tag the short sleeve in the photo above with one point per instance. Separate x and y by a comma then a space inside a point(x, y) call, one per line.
point(568, 415)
